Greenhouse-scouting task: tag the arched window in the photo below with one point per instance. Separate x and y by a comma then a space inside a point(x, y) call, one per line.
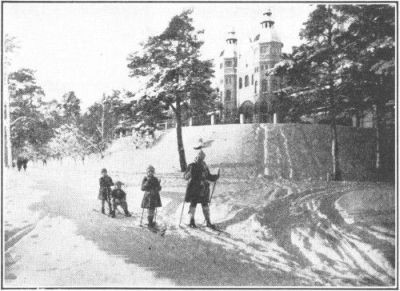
point(264, 85)
point(228, 94)
point(255, 87)
point(252, 79)
point(246, 81)
point(240, 83)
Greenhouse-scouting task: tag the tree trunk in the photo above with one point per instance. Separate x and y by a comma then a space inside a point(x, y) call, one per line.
point(7, 123)
point(378, 134)
point(336, 173)
point(181, 149)
point(102, 121)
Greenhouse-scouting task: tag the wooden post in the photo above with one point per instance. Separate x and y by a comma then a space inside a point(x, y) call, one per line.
point(212, 119)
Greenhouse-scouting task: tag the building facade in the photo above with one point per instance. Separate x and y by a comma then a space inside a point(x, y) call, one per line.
point(245, 89)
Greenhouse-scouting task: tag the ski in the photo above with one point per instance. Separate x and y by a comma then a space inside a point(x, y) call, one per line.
point(157, 230)
point(99, 212)
point(206, 229)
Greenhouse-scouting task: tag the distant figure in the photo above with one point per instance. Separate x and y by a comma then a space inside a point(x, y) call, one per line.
point(44, 162)
point(20, 161)
point(198, 188)
point(83, 159)
point(105, 190)
point(151, 198)
point(25, 163)
point(119, 199)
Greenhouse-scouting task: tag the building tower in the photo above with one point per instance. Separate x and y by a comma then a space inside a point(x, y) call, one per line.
point(270, 49)
point(229, 93)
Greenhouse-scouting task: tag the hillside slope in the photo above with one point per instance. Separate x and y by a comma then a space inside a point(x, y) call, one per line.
point(292, 151)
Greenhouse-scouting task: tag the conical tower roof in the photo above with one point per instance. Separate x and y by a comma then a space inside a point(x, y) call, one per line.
point(268, 32)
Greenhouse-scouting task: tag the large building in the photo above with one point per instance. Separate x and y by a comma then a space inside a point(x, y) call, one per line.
point(244, 86)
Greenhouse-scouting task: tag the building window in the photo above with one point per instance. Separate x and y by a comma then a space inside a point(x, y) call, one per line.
point(228, 63)
point(228, 94)
point(228, 80)
point(246, 81)
point(263, 49)
point(240, 83)
point(264, 85)
point(252, 79)
point(255, 87)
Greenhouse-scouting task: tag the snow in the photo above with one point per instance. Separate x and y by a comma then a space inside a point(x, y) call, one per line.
point(315, 233)
point(52, 255)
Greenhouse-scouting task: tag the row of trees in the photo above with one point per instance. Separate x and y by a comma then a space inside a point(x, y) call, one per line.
point(345, 66)
point(178, 86)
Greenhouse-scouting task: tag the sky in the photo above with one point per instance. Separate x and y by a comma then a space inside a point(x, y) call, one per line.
point(83, 47)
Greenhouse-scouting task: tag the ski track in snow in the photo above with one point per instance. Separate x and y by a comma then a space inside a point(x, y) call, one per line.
point(277, 226)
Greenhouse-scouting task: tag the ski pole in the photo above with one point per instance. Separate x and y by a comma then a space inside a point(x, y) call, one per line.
point(212, 192)
point(141, 217)
point(180, 219)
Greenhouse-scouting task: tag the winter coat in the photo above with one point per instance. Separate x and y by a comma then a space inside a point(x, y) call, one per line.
point(118, 194)
point(105, 187)
point(198, 187)
point(151, 197)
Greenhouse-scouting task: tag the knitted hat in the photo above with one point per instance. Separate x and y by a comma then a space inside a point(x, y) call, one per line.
point(119, 183)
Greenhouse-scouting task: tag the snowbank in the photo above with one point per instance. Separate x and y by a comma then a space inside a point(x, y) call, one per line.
point(290, 151)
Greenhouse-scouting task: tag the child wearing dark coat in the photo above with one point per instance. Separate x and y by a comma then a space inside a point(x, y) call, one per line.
point(105, 190)
point(119, 199)
point(151, 198)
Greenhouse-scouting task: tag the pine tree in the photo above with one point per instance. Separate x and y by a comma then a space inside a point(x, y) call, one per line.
point(29, 126)
point(175, 73)
point(370, 48)
point(71, 108)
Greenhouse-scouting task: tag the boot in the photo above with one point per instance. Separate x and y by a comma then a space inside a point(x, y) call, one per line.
point(127, 214)
point(102, 210)
point(150, 220)
point(206, 212)
point(112, 214)
point(210, 225)
point(192, 223)
point(192, 211)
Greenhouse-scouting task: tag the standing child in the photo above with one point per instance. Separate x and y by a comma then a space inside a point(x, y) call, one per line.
point(105, 190)
point(151, 198)
point(119, 199)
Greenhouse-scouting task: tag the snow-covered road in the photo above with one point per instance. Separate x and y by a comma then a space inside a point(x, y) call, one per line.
point(276, 233)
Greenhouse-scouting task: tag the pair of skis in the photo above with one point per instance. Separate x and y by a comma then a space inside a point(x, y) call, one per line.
point(155, 229)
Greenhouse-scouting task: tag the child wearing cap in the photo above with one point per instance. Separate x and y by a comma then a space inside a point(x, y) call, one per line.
point(119, 199)
point(151, 198)
point(105, 190)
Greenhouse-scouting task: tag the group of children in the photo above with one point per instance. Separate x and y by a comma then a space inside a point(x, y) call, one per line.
point(117, 197)
point(197, 191)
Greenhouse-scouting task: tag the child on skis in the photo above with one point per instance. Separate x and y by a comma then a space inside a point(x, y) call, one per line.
point(119, 199)
point(105, 190)
point(151, 198)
